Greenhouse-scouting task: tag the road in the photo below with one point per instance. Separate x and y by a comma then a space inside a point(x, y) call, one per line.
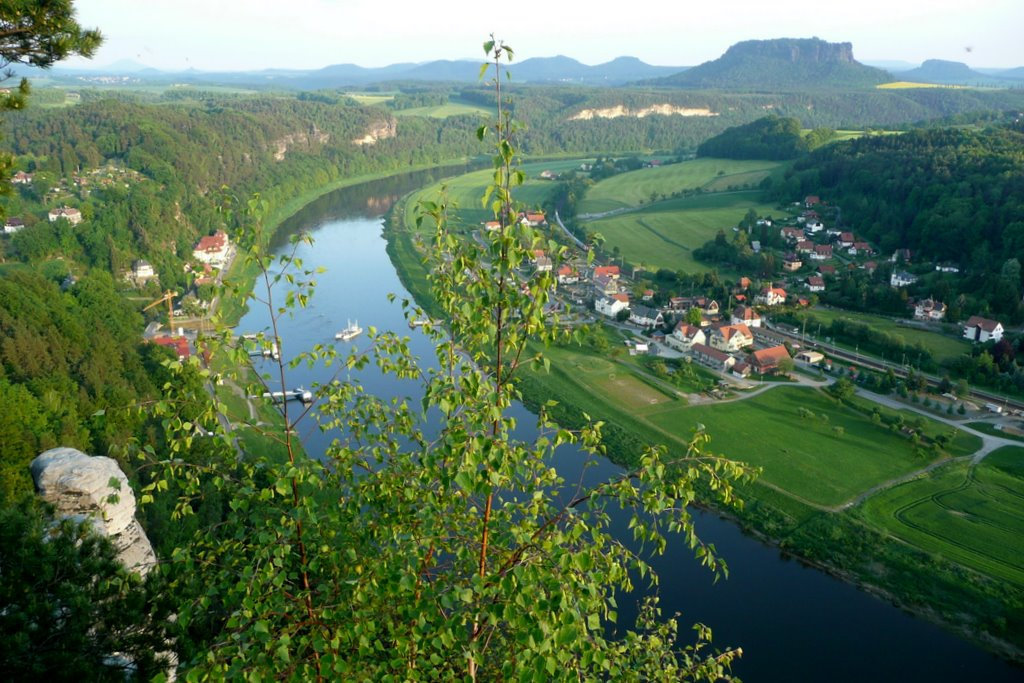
point(883, 365)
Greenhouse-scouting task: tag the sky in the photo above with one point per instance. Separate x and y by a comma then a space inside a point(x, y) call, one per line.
point(301, 34)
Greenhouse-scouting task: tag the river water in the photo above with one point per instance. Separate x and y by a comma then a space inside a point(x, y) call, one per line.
point(794, 623)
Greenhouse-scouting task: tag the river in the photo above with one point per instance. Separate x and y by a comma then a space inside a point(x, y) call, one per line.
point(793, 622)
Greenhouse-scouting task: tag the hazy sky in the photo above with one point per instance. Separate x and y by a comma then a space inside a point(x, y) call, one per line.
point(253, 34)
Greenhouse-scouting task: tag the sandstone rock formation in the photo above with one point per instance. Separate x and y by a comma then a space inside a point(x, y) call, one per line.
point(81, 486)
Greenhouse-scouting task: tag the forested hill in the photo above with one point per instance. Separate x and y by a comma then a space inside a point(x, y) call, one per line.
point(948, 194)
point(181, 155)
point(770, 137)
point(780, 64)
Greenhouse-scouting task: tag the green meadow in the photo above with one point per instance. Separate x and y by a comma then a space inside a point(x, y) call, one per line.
point(637, 187)
point(453, 107)
point(942, 347)
point(665, 234)
point(973, 516)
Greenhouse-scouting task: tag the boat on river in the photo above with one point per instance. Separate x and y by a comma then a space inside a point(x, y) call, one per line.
point(350, 332)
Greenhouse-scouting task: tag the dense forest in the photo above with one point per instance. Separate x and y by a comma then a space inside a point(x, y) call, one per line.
point(770, 137)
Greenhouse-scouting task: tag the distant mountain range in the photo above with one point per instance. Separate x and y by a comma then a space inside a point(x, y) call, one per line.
point(784, 63)
point(754, 65)
point(558, 69)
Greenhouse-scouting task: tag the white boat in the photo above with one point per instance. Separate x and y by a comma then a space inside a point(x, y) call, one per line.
point(351, 332)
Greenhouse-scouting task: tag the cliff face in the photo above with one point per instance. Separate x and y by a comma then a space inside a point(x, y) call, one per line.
point(94, 488)
point(381, 130)
point(793, 50)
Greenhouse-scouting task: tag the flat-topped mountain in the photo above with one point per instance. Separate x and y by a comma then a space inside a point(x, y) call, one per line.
point(783, 63)
point(946, 72)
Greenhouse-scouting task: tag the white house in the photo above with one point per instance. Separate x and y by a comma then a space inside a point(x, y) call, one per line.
point(73, 216)
point(645, 316)
point(730, 338)
point(772, 296)
point(816, 283)
point(745, 315)
point(567, 275)
point(685, 336)
point(813, 227)
point(929, 309)
point(982, 329)
point(609, 307)
point(213, 249)
point(13, 225)
point(946, 268)
point(822, 252)
point(901, 278)
point(143, 270)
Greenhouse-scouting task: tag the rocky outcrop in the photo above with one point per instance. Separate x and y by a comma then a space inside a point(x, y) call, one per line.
point(654, 109)
point(304, 140)
point(84, 487)
point(380, 130)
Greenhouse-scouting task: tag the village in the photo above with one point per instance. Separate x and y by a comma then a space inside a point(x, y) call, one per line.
point(737, 338)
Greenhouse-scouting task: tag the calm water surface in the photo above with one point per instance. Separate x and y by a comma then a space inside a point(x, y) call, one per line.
point(794, 623)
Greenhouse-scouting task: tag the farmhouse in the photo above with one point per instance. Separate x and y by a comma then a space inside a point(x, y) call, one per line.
point(705, 355)
point(533, 219)
point(73, 216)
point(213, 249)
point(645, 316)
point(929, 309)
point(731, 338)
point(610, 307)
point(741, 369)
point(980, 329)
point(816, 283)
point(767, 360)
point(684, 336)
point(745, 315)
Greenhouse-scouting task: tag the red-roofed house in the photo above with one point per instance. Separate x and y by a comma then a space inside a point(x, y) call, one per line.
point(533, 219)
point(862, 248)
point(811, 200)
point(213, 249)
point(982, 329)
point(684, 336)
point(816, 283)
point(177, 344)
point(567, 275)
point(805, 246)
point(772, 296)
point(845, 239)
point(822, 252)
point(767, 360)
point(607, 271)
point(745, 315)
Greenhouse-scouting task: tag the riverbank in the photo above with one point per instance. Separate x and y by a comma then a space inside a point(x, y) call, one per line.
point(843, 544)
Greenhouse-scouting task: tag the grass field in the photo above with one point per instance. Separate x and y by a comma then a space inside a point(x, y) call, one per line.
point(665, 234)
point(453, 107)
point(466, 190)
point(801, 455)
point(942, 347)
point(370, 98)
point(636, 187)
point(972, 516)
point(988, 428)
